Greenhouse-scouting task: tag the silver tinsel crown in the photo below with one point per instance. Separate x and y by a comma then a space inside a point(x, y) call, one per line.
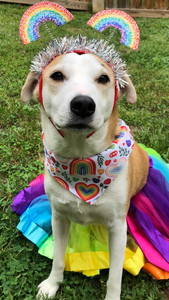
point(100, 48)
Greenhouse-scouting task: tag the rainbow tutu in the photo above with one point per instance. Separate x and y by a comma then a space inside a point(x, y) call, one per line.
point(87, 248)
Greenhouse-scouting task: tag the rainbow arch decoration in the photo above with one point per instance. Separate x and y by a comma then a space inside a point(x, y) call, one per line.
point(39, 13)
point(62, 182)
point(82, 167)
point(120, 135)
point(130, 35)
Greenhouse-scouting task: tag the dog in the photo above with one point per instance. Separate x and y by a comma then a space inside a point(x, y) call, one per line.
point(79, 121)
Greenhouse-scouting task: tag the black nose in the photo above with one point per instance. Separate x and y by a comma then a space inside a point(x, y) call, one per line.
point(82, 106)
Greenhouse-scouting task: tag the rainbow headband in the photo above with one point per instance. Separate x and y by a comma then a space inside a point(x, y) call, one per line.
point(50, 11)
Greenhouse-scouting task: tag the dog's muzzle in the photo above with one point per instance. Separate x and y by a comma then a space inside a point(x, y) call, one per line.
point(82, 106)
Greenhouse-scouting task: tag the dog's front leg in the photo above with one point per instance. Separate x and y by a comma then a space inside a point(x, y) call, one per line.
point(117, 244)
point(60, 228)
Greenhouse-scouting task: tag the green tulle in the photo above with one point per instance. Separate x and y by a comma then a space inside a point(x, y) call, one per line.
point(150, 151)
point(81, 239)
point(87, 251)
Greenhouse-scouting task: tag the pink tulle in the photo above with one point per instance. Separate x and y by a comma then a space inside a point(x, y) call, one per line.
point(37, 180)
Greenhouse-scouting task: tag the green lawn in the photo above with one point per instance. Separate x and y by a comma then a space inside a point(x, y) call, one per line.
point(21, 150)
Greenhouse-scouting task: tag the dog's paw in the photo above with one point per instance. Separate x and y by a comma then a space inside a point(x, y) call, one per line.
point(47, 290)
point(112, 297)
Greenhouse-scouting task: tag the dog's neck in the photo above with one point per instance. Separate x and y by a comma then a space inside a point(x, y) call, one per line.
point(77, 145)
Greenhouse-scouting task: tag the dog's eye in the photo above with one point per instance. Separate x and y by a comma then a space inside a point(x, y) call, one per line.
point(57, 76)
point(103, 79)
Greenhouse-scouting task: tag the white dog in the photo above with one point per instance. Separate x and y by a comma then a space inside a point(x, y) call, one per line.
point(79, 121)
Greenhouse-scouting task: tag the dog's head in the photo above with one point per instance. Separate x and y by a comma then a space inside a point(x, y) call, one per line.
point(78, 91)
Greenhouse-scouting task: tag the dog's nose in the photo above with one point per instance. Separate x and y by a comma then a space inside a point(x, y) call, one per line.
point(82, 106)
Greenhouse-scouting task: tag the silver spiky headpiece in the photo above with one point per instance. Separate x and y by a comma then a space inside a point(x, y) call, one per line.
point(100, 48)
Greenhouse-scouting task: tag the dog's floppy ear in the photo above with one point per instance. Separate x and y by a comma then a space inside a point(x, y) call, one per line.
point(129, 89)
point(31, 88)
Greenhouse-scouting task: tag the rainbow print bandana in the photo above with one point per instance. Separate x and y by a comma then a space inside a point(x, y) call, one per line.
point(88, 178)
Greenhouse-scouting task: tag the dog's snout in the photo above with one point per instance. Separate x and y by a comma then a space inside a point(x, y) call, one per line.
point(82, 106)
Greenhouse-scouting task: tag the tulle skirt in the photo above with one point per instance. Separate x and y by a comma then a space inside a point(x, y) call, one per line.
point(87, 248)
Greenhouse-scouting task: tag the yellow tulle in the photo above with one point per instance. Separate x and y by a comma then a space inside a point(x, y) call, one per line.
point(87, 251)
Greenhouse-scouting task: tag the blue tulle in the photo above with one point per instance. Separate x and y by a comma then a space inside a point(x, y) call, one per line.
point(161, 165)
point(35, 222)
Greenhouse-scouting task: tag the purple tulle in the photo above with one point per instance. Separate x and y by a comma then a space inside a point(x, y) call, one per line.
point(157, 190)
point(26, 196)
point(150, 162)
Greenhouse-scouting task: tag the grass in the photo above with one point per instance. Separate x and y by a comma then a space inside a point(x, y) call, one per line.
point(21, 149)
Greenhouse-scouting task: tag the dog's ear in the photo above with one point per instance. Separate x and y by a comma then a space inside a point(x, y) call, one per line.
point(31, 88)
point(129, 89)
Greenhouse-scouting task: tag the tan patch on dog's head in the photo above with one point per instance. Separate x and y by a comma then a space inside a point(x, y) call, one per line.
point(31, 86)
point(52, 67)
point(129, 89)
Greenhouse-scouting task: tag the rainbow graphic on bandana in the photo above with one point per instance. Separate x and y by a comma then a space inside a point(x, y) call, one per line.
point(113, 170)
point(86, 192)
point(39, 13)
point(115, 18)
point(120, 135)
point(62, 182)
point(82, 167)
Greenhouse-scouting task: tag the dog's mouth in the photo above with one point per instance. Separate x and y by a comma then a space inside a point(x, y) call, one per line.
point(77, 124)
point(78, 127)
point(75, 127)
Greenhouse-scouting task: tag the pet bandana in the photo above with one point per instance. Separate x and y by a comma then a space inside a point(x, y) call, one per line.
point(88, 178)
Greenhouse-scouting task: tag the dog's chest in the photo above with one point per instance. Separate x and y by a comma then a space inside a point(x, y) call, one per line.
point(78, 212)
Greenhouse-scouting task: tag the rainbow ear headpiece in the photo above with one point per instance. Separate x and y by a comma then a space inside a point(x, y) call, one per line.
point(50, 11)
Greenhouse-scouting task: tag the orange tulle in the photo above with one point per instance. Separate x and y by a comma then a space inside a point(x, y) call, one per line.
point(155, 272)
